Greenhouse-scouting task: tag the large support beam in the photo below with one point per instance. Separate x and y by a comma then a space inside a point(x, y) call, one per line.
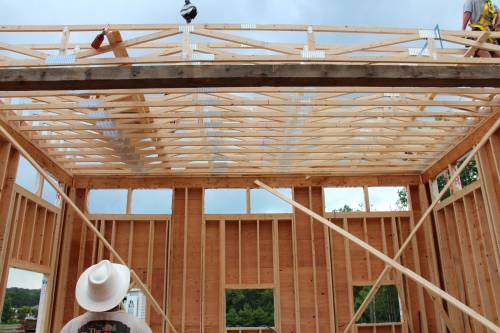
point(287, 75)
point(110, 181)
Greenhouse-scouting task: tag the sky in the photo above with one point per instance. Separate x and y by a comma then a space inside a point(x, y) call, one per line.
point(24, 279)
point(384, 13)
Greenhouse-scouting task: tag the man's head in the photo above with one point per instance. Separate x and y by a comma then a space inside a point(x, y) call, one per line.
point(103, 286)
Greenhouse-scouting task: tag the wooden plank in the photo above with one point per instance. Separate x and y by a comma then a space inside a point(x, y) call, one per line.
point(202, 268)
point(467, 263)
point(478, 265)
point(222, 276)
point(296, 284)
point(149, 274)
point(4, 161)
point(432, 261)
point(489, 174)
point(242, 182)
point(53, 253)
point(314, 266)
point(332, 297)
point(258, 90)
point(67, 274)
point(348, 272)
point(8, 168)
point(399, 279)
point(238, 102)
point(493, 279)
point(410, 274)
point(416, 261)
point(244, 76)
point(258, 251)
point(276, 273)
point(231, 27)
point(184, 260)
point(8, 246)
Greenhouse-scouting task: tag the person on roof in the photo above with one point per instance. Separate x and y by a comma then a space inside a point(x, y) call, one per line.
point(100, 290)
point(482, 15)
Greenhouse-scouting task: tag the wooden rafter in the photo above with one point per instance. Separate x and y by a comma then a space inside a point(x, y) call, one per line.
point(295, 107)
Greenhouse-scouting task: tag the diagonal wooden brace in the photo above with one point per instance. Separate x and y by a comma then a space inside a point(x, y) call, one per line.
point(89, 224)
point(394, 264)
point(380, 279)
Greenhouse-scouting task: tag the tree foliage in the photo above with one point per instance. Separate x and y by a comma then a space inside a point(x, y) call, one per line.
point(8, 314)
point(345, 209)
point(468, 176)
point(21, 296)
point(19, 303)
point(249, 308)
point(470, 173)
point(441, 181)
point(384, 307)
point(402, 202)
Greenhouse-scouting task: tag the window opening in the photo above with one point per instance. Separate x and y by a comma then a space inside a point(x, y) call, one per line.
point(388, 198)
point(344, 199)
point(27, 176)
point(24, 300)
point(263, 202)
point(385, 306)
point(470, 173)
point(225, 201)
point(108, 201)
point(249, 308)
point(151, 201)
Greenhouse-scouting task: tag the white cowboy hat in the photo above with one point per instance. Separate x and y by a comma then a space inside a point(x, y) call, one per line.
point(102, 286)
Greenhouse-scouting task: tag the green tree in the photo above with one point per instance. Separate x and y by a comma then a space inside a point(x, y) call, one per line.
point(8, 312)
point(384, 308)
point(23, 312)
point(470, 173)
point(21, 296)
point(402, 202)
point(441, 183)
point(249, 308)
point(345, 209)
point(468, 176)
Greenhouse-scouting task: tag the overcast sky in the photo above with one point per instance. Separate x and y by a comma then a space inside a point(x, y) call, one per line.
point(393, 13)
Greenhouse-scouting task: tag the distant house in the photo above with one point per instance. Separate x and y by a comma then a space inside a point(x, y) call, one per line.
point(29, 324)
point(135, 304)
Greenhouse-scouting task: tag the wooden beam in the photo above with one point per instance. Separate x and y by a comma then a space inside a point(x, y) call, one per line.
point(460, 149)
point(187, 76)
point(110, 181)
point(4, 130)
point(388, 261)
point(410, 237)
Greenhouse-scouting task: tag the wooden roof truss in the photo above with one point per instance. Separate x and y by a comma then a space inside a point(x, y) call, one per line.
point(257, 130)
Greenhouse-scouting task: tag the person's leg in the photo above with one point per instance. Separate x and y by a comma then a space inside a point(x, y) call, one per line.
point(483, 54)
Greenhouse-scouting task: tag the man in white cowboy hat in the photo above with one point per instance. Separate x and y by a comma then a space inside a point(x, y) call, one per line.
point(100, 290)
